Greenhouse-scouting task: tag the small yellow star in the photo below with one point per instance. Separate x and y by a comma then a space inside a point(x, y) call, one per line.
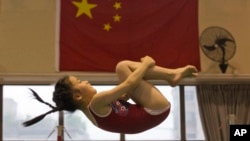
point(107, 27)
point(84, 8)
point(117, 5)
point(117, 18)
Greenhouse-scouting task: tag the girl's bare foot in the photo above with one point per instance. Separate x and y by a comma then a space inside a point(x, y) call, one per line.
point(180, 73)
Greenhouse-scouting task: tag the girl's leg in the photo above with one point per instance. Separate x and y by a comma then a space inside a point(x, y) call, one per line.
point(145, 93)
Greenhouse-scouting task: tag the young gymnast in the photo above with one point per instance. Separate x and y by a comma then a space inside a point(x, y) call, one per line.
point(109, 110)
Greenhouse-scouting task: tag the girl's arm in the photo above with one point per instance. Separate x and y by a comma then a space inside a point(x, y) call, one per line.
point(103, 99)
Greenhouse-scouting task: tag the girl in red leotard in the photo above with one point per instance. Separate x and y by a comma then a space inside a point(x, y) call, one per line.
point(109, 110)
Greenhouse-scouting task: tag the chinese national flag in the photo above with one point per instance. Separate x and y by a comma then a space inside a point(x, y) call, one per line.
point(96, 34)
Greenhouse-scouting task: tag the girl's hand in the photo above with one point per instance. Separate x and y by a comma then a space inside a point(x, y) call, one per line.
point(148, 60)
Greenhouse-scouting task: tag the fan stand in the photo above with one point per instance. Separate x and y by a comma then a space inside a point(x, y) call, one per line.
point(223, 67)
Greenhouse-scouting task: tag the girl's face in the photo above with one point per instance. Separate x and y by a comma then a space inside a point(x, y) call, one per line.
point(84, 87)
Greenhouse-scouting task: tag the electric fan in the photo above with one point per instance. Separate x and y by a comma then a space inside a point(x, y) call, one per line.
point(218, 45)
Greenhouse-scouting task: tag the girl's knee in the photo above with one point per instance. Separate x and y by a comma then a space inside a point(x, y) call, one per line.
point(121, 65)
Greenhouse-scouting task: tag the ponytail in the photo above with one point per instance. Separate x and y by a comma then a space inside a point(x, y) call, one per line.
point(38, 118)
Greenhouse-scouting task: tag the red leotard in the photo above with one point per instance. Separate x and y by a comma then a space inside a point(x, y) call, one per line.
point(128, 118)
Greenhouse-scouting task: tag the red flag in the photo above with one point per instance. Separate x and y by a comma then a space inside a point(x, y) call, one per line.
point(96, 34)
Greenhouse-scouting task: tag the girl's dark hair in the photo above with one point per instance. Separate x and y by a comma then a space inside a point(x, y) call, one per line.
point(62, 96)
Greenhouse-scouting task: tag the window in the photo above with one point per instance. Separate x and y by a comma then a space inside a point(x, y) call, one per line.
point(19, 106)
point(193, 124)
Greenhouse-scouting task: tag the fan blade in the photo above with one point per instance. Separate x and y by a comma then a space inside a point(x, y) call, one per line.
point(209, 48)
point(222, 41)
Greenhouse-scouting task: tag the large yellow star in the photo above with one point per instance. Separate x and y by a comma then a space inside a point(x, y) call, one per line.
point(84, 8)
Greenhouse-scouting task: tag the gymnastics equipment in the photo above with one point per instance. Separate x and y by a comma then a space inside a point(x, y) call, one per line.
point(60, 128)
